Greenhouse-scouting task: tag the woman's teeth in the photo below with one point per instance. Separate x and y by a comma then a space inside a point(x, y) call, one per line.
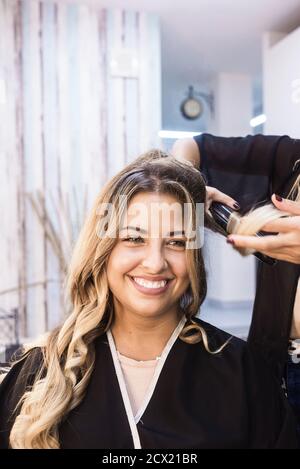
point(148, 284)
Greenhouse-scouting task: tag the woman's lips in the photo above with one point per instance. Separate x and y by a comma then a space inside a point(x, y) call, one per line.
point(150, 291)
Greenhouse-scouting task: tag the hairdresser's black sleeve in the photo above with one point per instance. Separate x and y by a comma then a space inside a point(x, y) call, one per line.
point(250, 168)
point(271, 420)
point(18, 380)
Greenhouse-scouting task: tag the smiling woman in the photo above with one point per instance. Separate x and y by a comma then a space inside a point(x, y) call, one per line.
point(132, 366)
point(148, 275)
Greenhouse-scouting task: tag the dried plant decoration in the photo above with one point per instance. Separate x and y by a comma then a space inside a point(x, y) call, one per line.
point(60, 223)
point(61, 218)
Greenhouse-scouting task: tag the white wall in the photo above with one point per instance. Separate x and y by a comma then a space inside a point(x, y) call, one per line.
point(281, 83)
point(231, 277)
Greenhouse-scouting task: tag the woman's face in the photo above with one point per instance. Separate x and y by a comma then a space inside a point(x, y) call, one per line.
point(147, 268)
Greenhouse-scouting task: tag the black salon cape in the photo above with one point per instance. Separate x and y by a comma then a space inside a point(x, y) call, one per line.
point(250, 169)
point(228, 400)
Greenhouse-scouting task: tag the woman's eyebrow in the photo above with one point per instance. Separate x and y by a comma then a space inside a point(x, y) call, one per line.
point(135, 228)
point(141, 230)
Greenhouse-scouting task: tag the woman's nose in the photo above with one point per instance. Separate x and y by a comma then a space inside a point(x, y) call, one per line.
point(154, 259)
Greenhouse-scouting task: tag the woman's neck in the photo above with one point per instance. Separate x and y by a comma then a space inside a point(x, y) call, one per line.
point(143, 338)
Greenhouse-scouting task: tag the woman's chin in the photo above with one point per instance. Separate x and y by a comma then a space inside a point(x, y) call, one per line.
point(149, 308)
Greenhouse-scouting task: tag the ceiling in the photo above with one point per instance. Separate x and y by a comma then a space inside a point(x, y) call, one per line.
point(202, 37)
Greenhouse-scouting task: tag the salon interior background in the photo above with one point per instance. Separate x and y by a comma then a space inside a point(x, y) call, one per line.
point(85, 86)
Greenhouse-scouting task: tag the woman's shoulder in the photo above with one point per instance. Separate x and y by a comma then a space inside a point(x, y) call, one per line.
point(29, 359)
point(217, 337)
point(19, 379)
point(233, 349)
point(22, 370)
point(238, 356)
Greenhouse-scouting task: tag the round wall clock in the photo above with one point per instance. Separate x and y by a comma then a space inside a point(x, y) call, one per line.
point(191, 108)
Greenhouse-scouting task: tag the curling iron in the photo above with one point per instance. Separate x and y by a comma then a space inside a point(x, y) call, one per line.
point(227, 218)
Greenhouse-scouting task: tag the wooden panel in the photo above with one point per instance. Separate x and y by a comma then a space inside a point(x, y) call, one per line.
point(34, 165)
point(103, 90)
point(132, 123)
point(4, 160)
point(20, 268)
point(149, 81)
point(10, 189)
point(50, 133)
point(66, 125)
point(116, 96)
point(74, 102)
point(90, 79)
point(10, 155)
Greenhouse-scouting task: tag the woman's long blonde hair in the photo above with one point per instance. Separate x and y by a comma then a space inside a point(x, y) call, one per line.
point(68, 351)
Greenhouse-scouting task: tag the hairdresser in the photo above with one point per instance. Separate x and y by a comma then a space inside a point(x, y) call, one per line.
point(250, 170)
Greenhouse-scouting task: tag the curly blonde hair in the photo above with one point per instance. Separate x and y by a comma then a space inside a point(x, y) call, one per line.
point(68, 351)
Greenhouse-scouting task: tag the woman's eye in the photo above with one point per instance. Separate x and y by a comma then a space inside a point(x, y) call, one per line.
point(133, 240)
point(177, 243)
point(139, 240)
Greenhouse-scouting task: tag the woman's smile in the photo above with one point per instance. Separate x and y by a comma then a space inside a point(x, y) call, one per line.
point(148, 287)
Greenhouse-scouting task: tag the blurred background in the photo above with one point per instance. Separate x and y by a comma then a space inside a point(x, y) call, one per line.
point(86, 86)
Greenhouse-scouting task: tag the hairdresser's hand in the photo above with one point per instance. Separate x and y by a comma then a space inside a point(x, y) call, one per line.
point(214, 195)
point(284, 246)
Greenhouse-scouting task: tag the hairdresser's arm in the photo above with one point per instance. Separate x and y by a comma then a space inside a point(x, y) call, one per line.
point(245, 168)
point(187, 150)
point(284, 246)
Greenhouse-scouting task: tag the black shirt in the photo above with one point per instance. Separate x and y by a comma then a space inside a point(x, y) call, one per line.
point(250, 169)
point(200, 400)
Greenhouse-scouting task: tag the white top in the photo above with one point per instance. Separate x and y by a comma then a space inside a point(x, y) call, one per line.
point(138, 376)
